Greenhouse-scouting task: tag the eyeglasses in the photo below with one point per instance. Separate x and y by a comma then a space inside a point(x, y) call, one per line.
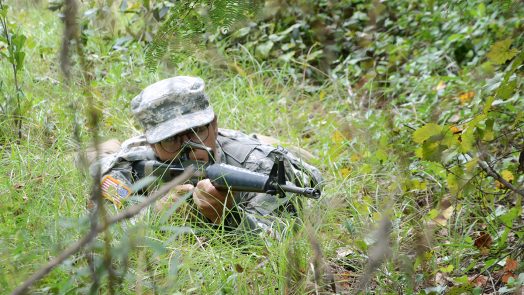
point(196, 135)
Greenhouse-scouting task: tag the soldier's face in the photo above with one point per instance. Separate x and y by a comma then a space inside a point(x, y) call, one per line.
point(170, 149)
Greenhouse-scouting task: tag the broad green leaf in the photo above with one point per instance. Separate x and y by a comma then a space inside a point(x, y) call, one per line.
point(19, 41)
point(473, 123)
point(467, 141)
point(419, 185)
point(490, 263)
point(241, 32)
point(506, 90)
point(488, 104)
point(287, 57)
point(471, 165)
point(361, 245)
point(20, 56)
point(426, 131)
point(453, 184)
point(450, 139)
point(481, 10)
point(462, 280)
point(264, 48)
point(433, 213)
point(500, 52)
point(432, 151)
point(455, 179)
point(419, 152)
point(503, 237)
point(447, 269)
point(381, 155)
point(489, 134)
point(365, 169)
point(507, 175)
point(455, 37)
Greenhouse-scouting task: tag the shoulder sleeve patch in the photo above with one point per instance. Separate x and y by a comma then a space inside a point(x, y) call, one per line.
point(114, 190)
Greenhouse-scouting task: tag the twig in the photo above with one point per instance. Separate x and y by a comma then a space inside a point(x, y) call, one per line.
point(491, 172)
point(78, 245)
point(71, 34)
point(318, 266)
point(378, 253)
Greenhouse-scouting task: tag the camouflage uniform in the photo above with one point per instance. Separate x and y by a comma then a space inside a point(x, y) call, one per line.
point(253, 211)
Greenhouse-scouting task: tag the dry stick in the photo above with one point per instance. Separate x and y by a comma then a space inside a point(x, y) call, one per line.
point(78, 245)
point(71, 34)
point(498, 177)
point(378, 253)
point(320, 269)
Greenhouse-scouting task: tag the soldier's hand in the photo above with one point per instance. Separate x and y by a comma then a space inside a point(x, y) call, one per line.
point(172, 196)
point(210, 201)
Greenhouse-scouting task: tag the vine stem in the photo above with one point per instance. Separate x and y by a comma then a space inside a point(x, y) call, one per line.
point(18, 115)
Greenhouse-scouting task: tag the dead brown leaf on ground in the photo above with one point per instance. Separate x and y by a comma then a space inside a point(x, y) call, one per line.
point(483, 243)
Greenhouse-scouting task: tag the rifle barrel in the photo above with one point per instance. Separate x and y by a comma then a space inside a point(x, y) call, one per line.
point(305, 191)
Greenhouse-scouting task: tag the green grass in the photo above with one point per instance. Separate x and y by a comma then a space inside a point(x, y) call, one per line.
point(363, 146)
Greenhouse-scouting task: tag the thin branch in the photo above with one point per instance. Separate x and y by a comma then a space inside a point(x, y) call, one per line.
point(491, 172)
point(81, 243)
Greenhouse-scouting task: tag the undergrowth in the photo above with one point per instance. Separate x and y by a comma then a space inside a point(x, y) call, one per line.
point(389, 214)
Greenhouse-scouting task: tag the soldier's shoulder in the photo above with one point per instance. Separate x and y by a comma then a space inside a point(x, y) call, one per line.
point(136, 141)
point(132, 149)
point(135, 149)
point(240, 147)
point(232, 134)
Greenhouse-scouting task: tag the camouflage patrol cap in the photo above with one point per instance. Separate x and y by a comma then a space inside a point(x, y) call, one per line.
point(171, 106)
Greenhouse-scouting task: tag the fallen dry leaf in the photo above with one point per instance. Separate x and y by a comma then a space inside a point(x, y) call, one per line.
point(511, 264)
point(442, 279)
point(337, 137)
point(239, 268)
point(440, 86)
point(454, 119)
point(507, 276)
point(445, 212)
point(344, 252)
point(455, 130)
point(39, 179)
point(466, 97)
point(483, 240)
point(483, 243)
point(508, 176)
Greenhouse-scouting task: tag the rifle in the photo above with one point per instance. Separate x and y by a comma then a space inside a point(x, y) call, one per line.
point(224, 176)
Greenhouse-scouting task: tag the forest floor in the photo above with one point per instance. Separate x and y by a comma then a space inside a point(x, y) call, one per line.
point(400, 212)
